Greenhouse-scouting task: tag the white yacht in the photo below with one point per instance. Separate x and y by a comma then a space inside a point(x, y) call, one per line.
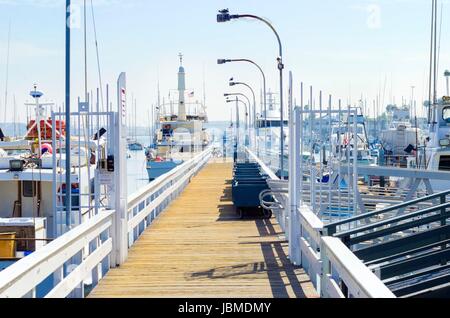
point(179, 136)
point(401, 138)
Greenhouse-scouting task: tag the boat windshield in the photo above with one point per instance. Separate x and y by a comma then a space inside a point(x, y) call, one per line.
point(446, 114)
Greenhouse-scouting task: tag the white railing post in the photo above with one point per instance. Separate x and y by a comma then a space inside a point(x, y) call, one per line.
point(294, 177)
point(119, 195)
point(311, 228)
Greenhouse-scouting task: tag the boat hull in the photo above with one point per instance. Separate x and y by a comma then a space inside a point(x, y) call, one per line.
point(156, 169)
point(135, 147)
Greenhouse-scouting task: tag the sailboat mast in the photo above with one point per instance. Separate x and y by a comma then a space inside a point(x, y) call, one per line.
point(15, 118)
point(430, 81)
point(85, 57)
point(135, 119)
point(7, 72)
point(67, 104)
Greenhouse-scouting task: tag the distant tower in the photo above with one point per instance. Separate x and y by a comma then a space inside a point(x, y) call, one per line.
point(181, 90)
point(447, 75)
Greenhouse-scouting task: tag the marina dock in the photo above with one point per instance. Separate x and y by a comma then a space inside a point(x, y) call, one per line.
point(199, 248)
point(150, 185)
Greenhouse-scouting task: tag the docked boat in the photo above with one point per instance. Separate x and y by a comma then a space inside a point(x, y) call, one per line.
point(29, 190)
point(179, 136)
point(401, 139)
point(343, 139)
point(134, 145)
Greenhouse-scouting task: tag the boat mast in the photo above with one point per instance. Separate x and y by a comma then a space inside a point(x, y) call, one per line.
point(67, 104)
point(7, 72)
point(430, 83)
point(15, 116)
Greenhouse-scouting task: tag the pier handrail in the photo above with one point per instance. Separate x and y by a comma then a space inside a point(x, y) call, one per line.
point(145, 205)
point(331, 229)
point(85, 247)
point(330, 264)
point(264, 168)
point(359, 280)
point(160, 181)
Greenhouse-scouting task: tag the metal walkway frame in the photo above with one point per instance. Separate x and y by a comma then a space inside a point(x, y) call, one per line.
point(409, 252)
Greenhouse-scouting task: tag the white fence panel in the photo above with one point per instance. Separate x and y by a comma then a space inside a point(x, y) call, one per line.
point(22, 278)
point(159, 193)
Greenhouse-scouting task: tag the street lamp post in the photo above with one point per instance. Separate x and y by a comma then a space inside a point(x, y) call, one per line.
point(247, 122)
point(254, 108)
point(223, 61)
point(225, 16)
point(238, 94)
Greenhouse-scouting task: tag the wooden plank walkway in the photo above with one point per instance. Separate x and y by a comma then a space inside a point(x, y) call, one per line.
point(198, 248)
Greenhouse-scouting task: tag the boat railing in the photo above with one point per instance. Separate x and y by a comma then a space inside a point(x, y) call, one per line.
point(61, 268)
point(147, 204)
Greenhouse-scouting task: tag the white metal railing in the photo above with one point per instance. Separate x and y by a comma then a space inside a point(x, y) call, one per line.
point(341, 265)
point(61, 268)
point(145, 205)
point(334, 270)
point(309, 242)
point(81, 257)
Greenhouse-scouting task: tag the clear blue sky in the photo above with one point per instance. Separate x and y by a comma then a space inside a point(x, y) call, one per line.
point(345, 47)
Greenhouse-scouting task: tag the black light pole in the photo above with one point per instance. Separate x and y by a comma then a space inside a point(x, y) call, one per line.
point(67, 102)
point(247, 122)
point(225, 16)
point(254, 106)
point(238, 94)
point(236, 128)
point(224, 61)
point(246, 112)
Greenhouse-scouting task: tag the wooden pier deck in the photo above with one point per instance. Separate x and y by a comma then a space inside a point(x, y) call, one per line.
point(198, 248)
